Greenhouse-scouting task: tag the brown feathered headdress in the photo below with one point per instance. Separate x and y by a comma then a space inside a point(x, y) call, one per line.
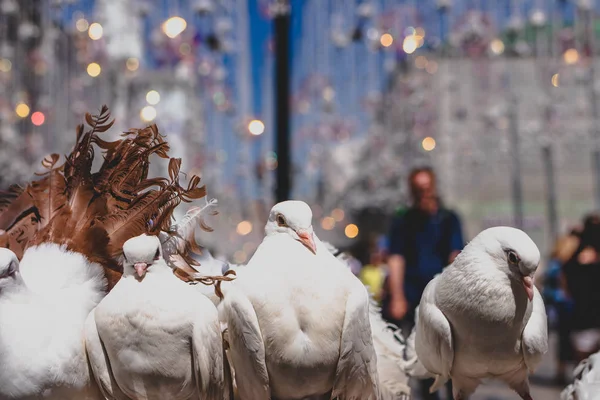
point(94, 213)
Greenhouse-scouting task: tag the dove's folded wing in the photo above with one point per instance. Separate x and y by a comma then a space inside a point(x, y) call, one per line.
point(535, 334)
point(356, 374)
point(99, 362)
point(207, 347)
point(433, 342)
point(246, 346)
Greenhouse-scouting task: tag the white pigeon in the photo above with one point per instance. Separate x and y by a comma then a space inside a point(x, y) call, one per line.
point(482, 317)
point(298, 320)
point(587, 381)
point(393, 368)
point(43, 323)
point(154, 336)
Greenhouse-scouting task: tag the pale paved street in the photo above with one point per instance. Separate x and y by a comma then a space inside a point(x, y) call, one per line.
point(542, 387)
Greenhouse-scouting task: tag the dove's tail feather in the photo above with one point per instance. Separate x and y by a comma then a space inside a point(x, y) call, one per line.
point(440, 381)
point(94, 213)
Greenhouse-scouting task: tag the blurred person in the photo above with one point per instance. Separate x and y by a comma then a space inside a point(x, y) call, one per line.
point(373, 274)
point(422, 241)
point(556, 298)
point(582, 284)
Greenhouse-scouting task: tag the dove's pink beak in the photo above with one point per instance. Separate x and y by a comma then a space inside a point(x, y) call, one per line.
point(140, 268)
point(307, 239)
point(528, 284)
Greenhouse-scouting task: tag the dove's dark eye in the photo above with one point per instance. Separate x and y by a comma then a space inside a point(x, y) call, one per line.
point(281, 220)
point(513, 258)
point(157, 255)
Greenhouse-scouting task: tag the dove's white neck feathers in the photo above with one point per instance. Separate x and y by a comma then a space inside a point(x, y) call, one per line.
point(292, 218)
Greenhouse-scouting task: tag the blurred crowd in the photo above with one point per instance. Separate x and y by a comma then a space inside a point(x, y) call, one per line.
point(426, 237)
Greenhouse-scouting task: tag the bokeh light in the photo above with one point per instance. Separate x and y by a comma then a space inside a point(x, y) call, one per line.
point(256, 127)
point(38, 118)
point(571, 56)
point(82, 25)
point(244, 228)
point(148, 113)
point(338, 214)
point(431, 67)
point(386, 40)
point(174, 26)
point(240, 257)
point(22, 110)
point(153, 97)
point(410, 44)
point(428, 143)
point(497, 46)
point(94, 69)
point(555, 81)
point(95, 31)
point(351, 231)
point(328, 223)
point(5, 65)
point(421, 62)
point(132, 64)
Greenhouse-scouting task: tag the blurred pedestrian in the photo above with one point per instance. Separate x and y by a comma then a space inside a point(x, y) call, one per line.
point(557, 300)
point(422, 241)
point(582, 275)
point(373, 274)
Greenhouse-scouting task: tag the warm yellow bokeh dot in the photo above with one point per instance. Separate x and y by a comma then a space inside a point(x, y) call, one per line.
point(351, 231)
point(386, 40)
point(22, 110)
point(571, 56)
point(428, 143)
point(555, 82)
point(132, 64)
point(93, 69)
point(244, 228)
point(95, 31)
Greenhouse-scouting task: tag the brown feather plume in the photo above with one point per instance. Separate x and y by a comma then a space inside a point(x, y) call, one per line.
point(94, 213)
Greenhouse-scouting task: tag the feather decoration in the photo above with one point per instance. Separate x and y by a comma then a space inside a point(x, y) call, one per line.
point(95, 213)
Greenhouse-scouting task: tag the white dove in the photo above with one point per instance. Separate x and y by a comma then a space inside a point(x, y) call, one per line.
point(482, 317)
point(154, 336)
point(393, 368)
point(43, 356)
point(587, 381)
point(298, 320)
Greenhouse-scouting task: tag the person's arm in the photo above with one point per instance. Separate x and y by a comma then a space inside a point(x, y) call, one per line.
point(396, 270)
point(396, 267)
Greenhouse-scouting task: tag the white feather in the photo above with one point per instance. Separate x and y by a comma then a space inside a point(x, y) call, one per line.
point(586, 385)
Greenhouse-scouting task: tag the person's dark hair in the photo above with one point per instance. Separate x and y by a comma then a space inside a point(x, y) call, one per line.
point(590, 236)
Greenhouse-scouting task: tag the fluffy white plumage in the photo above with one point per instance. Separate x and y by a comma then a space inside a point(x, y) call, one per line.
point(154, 336)
point(43, 306)
point(298, 319)
point(587, 381)
point(393, 365)
point(482, 317)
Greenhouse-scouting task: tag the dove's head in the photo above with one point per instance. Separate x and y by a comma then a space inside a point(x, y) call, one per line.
point(513, 252)
point(140, 253)
point(292, 218)
point(9, 269)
